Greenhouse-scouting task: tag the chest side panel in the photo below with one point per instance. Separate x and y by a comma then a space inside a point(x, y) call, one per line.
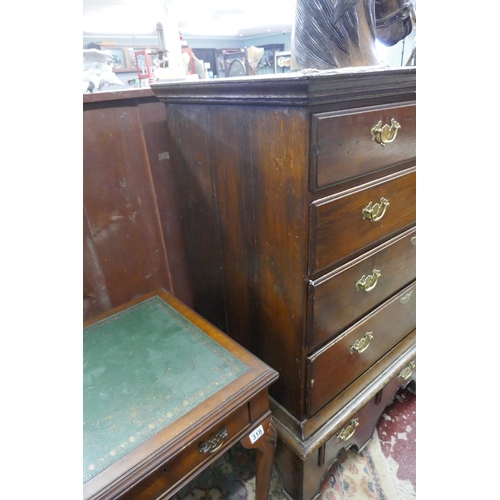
point(243, 175)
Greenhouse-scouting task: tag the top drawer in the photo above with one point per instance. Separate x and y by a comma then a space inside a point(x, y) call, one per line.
point(346, 145)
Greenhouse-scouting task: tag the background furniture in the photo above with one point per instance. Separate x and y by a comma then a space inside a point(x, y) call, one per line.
point(165, 394)
point(228, 66)
point(236, 63)
point(282, 61)
point(124, 60)
point(132, 239)
point(267, 62)
point(298, 204)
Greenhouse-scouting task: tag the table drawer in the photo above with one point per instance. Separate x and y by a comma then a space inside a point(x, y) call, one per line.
point(350, 221)
point(344, 296)
point(343, 145)
point(332, 368)
point(190, 458)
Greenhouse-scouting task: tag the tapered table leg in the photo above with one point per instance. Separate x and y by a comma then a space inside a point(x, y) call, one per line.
point(263, 439)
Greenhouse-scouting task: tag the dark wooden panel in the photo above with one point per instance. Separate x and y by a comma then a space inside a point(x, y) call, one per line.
point(342, 145)
point(119, 97)
point(95, 295)
point(279, 179)
point(334, 367)
point(120, 204)
point(194, 178)
point(158, 146)
point(335, 219)
point(291, 470)
point(232, 167)
point(337, 303)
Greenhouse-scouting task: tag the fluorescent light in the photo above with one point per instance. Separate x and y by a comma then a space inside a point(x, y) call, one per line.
point(114, 19)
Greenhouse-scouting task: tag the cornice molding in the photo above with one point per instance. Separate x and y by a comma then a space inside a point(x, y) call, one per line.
point(292, 89)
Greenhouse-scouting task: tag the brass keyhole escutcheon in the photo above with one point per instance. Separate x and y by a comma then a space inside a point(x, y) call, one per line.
point(375, 211)
point(386, 134)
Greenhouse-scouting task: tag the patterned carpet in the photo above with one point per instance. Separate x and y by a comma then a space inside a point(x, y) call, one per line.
point(355, 477)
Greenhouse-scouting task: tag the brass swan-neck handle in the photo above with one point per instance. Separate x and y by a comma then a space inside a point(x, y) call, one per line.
point(368, 283)
point(385, 134)
point(375, 211)
point(362, 344)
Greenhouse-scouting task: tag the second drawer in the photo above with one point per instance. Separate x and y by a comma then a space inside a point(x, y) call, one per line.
point(332, 368)
point(351, 221)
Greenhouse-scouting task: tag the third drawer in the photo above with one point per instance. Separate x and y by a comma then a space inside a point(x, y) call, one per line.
point(342, 297)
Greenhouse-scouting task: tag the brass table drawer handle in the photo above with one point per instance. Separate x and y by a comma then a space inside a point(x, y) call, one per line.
point(413, 241)
point(348, 432)
point(375, 211)
point(385, 134)
point(368, 283)
point(214, 442)
point(362, 344)
point(406, 372)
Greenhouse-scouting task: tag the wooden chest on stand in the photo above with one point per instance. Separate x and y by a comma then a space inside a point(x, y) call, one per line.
point(298, 205)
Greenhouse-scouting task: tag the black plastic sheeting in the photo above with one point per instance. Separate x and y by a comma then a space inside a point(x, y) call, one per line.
point(325, 26)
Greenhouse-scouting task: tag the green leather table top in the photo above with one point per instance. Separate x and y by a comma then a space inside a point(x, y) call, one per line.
point(143, 368)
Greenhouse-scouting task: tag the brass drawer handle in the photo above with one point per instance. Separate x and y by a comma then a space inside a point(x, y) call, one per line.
point(406, 298)
point(368, 283)
point(214, 442)
point(413, 241)
point(375, 211)
point(406, 372)
point(362, 344)
point(348, 432)
point(386, 134)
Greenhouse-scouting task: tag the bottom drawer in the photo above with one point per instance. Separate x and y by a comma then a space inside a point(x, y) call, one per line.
point(358, 430)
point(191, 458)
point(332, 368)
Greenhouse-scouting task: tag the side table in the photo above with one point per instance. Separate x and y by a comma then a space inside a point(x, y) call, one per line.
point(165, 394)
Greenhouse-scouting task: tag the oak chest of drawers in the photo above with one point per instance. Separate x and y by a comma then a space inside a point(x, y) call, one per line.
point(298, 205)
